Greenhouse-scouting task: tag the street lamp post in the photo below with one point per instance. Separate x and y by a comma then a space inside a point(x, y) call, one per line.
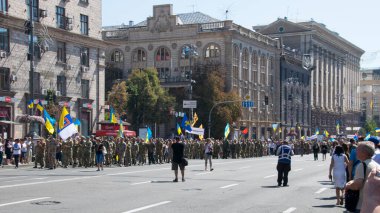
point(190, 51)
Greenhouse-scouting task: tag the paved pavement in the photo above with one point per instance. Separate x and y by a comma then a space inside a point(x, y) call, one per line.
point(236, 185)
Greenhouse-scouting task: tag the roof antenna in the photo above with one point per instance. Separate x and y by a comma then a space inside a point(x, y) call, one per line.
point(226, 14)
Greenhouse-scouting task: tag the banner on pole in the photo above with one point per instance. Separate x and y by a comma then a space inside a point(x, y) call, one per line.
point(196, 131)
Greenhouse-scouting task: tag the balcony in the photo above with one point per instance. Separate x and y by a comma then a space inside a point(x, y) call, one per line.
point(174, 82)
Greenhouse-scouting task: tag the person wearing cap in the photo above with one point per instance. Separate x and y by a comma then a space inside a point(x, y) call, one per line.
point(376, 156)
point(284, 153)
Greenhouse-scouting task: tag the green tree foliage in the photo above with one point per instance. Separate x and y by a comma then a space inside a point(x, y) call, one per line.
point(369, 127)
point(117, 98)
point(210, 89)
point(148, 102)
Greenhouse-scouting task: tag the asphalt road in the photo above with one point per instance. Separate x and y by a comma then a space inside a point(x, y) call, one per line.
point(235, 185)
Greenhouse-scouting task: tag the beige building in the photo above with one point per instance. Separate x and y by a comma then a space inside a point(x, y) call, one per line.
point(370, 95)
point(68, 60)
point(249, 58)
point(335, 75)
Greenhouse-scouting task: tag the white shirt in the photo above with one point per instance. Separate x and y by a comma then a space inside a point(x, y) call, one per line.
point(16, 149)
point(24, 148)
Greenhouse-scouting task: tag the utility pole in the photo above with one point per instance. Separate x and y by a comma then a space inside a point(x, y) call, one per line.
point(31, 53)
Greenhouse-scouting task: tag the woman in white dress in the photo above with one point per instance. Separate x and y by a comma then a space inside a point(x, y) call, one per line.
point(338, 165)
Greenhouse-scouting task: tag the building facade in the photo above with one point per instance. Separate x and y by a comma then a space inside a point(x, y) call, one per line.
point(370, 95)
point(335, 74)
point(249, 58)
point(68, 60)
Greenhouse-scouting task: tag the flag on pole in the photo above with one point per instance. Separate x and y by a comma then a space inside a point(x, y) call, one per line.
point(121, 129)
point(274, 126)
point(326, 133)
point(377, 129)
point(201, 136)
point(30, 104)
point(49, 122)
point(186, 123)
point(337, 128)
point(227, 130)
point(77, 123)
point(371, 104)
point(245, 131)
point(367, 136)
point(112, 115)
point(39, 106)
point(195, 118)
point(148, 135)
point(66, 127)
point(317, 131)
point(179, 131)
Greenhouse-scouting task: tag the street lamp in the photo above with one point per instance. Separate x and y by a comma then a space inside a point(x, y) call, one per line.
point(190, 52)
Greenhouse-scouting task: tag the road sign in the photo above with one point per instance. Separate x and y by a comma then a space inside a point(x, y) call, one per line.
point(247, 104)
point(189, 104)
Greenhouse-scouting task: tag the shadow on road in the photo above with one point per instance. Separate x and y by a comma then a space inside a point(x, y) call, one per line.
point(270, 187)
point(161, 181)
point(327, 198)
point(326, 182)
point(328, 206)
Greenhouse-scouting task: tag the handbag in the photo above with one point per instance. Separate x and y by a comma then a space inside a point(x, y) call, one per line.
point(352, 196)
point(184, 162)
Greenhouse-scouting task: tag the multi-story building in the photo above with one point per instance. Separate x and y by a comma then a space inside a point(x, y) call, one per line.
point(295, 95)
point(67, 60)
point(250, 59)
point(335, 74)
point(370, 95)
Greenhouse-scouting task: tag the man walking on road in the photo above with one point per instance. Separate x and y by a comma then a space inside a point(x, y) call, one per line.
point(284, 153)
point(178, 149)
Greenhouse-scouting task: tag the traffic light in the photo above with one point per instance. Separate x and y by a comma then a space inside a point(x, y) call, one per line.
point(266, 100)
point(28, 27)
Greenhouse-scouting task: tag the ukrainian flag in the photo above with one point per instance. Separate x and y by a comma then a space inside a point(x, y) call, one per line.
point(40, 107)
point(49, 122)
point(66, 125)
point(30, 104)
point(113, 116)
point(317, 131)
point(179, 131)
point(367, 136)
point(326, 133)
point(377, 129)
point(227, 130)
point(121, 129)
point(148, 135)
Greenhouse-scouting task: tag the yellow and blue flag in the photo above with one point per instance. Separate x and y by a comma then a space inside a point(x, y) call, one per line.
point(49, 122)
point(201, 136)
point(66, 126)
point(179, 131)
point(326, 133)
point(148, 135)
point(112, 116)
point(195, 119)
point(337, 128)
point(30, 104)
point(186, 123)
point(40, 107)
point(367, 136)
point(121, 129)
point(317, 131)
point(227, 130)
point(377, 129)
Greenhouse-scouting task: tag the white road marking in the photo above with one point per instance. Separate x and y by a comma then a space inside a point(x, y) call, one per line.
point(228, 186)
point(132, 184)
point(51, 181)
point(269, 176)
point(320, 190)
point(245, 167)
point(9, 181)
point(147, 207)
point(23, 201)
point(291, 209)
point(297, 170)
point(203, 173)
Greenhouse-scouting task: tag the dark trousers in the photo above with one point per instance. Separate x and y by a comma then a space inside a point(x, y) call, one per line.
point(315, 155)
point(1, 158)
point(151, 158)
point(283, 170)
point(17, 157)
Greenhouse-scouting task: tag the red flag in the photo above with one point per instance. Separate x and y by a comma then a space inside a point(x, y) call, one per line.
point(245, 131)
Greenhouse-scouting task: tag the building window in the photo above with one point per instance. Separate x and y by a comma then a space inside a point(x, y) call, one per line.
point(60, 16)
point(83, 24)
point(254, 67)
point(36, 48)
point(163, 72)
point(162, 54)
point(117, 56)
point(4, 6)
point(61, 85)
point(139, 55)
point(235, 65)
point(36, 83)
point(4, 39)
point(61, 52)
point(212, 51)
point(85, 88)
point(4, 79)
point(84, 57)
point(245, 65)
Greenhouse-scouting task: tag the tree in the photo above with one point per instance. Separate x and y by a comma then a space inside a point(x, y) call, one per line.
point(369, 127)
point(209, 89)
point(118, 98)
point(148, 101)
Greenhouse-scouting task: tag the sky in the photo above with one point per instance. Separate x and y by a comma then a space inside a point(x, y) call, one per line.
point(356, 21)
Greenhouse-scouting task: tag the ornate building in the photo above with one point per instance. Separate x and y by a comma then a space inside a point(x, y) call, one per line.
point(249, 58)
point(67, 60)
point(370, 95)
point(335, 74)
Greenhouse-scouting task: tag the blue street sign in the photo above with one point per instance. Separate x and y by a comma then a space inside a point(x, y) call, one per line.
point(247, 104)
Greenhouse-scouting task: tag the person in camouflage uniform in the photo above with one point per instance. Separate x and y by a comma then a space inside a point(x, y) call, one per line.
point(51, 153)
point(134, 152)
point(87, 147)
point(141, 154)
point(75, 152)
point(121, 147)
point(67, 152)
point(127, 158)
point(159, 150)
point(238, 149)
point(93, 152)
point(40, 154)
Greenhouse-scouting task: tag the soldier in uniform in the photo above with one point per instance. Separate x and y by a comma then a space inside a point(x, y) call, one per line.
point(75, 152)
point(87, 147)
point(93, 152)
point(81, 152)
point(51, 152)
point(67, 152)
point(127, 158)
point(40, 154)
point(134, 151)
point(141, 155)
point(159, 150)
point(226, 147)
point(151, 148)
point(238, 149)
point(233, 149)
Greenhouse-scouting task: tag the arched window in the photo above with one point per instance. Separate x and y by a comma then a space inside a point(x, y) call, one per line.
point(117, 56)
point(139, 55)
point(163, 54)
point(212, 51)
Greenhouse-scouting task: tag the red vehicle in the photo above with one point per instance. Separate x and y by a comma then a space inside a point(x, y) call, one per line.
point(112, 129)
